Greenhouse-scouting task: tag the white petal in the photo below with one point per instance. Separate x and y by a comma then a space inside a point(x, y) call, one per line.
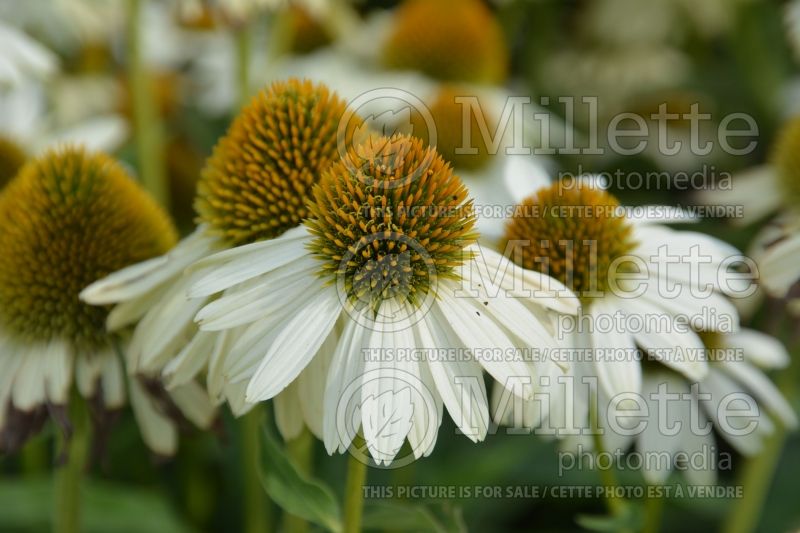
point(184, 367)
point(780, 266)
point(29, 383)
point(720, 386)
point(311, 386)
point(166, 327)
point(131, 311)
point(764, 390)
point(102, 133)
point(618, 370)
point(468, 408)
point(112, 379)
point(346, 367)
point(215, 378)
point(479, 333)
point(267, 296)
point(158, 431)
point(495, 269)
point(194, 403)
point(387, 408)
point(9, 362)
point(755, 189)
point(288, 416)
point(674, 345)
point(58, 372)
point(231, 267)
point(758, 348)
point(523, 176)
point(138, 279)
point(295, 345)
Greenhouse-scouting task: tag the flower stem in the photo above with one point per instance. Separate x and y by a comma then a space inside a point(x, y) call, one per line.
point(758, 472)
point(301, 450)
point(66, 518)
point(607, 477)
point(257, 506)
point(34, 457)
point(755, 480)
point(354, 491)
point(653, 509)
point(243, 49)
point(149, 133)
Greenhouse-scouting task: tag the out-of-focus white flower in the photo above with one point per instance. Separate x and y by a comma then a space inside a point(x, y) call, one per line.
point(66, 24)
point(615, 76)
point(674, 430)
point(792, 22)
point(617, 314)
point(21, 57)
point(767, 190)
point(29, 123)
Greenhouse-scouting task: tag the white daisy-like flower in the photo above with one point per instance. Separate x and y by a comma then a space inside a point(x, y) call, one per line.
point(358, 302)
point(23, 58)
point(764, 191)
point(67, 219)
point(670, 422)
point(66, 25)
point(643, 285)
point(792, 22)
point(253, 188)
point(28, 128)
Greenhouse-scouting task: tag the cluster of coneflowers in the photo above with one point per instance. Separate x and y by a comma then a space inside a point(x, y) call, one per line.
point(306, 263)
point(328, 262)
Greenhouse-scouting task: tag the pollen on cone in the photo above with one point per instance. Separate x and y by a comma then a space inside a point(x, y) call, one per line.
point(70, 218)
point(256, 183)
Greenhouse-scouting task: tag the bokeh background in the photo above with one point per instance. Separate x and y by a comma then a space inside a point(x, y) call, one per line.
point(731, 56)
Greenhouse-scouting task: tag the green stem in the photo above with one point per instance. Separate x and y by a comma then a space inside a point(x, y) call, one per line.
point(301, 450)
point(256, 505)
point(148, 130)
point(755, 480)
point(243, 50)
point(34, 457)
point(607, 477)
point(756, 477)
point(66, 518)
point(354, 491)
point(653, 510)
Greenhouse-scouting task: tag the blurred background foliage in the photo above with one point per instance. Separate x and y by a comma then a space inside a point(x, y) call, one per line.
point(732, 54)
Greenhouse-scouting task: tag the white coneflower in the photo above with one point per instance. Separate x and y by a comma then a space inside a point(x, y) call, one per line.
point(642, 284)
point(384, 273)
point(680, 413)
point(66, 25)
point(68, 219)
point(767, 190)
point(22, 58)
point(253, 188)
point(792, 22)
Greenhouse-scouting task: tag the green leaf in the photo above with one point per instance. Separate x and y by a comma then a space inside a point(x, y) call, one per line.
point(27, 505)
point(397, 516)
point(292, 490)
point(629, 519)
